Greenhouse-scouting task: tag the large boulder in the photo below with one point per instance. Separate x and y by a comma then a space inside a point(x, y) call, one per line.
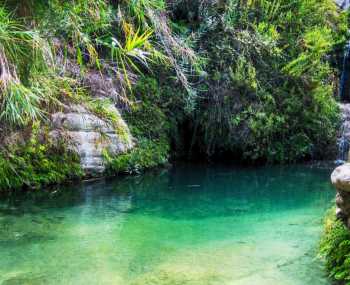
point(341, 177)
point(89, 136)
point(341, 181)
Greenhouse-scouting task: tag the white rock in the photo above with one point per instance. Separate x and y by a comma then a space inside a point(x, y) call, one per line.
point(89, 136)
point(341, 177)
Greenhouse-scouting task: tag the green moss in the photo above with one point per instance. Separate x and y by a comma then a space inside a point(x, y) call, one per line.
point(150, 126)
point(37, 163)
point(103, 109)
point(147, 118)
point(147, 154)
point(335, 248)
point(153, 121)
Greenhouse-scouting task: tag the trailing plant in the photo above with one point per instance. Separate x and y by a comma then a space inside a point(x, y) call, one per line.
point(269, 93)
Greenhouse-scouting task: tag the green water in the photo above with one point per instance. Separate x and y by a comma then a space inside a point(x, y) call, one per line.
point(191, 225)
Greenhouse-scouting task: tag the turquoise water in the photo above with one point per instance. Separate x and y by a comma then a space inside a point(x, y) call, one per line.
point(190, 225)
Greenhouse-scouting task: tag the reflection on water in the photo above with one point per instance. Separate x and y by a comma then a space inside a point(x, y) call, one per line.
point(191, 225)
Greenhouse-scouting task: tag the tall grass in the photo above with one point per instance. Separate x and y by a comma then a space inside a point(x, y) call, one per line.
point(20, 105)
point(21, 51)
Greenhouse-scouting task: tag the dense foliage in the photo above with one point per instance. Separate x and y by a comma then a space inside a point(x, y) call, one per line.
point(253, 79)
point(335, 247)
point(270, 88)
point(35, 162)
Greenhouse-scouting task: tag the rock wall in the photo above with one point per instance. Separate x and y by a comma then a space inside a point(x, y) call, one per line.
point(86, 133)
point(341, 181)
point(344, 134)
point(89, 136)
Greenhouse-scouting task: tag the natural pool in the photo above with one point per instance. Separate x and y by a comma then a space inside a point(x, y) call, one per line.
point(191, 225)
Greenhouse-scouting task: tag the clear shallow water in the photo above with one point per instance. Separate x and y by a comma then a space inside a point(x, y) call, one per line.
point(192, 225)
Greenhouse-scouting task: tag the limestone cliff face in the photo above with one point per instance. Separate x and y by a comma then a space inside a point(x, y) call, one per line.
point(89, 136)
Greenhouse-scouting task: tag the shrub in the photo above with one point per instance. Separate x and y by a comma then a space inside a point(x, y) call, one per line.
point(147, 154)
point(269, 94)
point(335, 248)
point(150, 125)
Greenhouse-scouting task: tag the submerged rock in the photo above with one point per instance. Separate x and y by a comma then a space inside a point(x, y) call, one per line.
point(89, 136)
